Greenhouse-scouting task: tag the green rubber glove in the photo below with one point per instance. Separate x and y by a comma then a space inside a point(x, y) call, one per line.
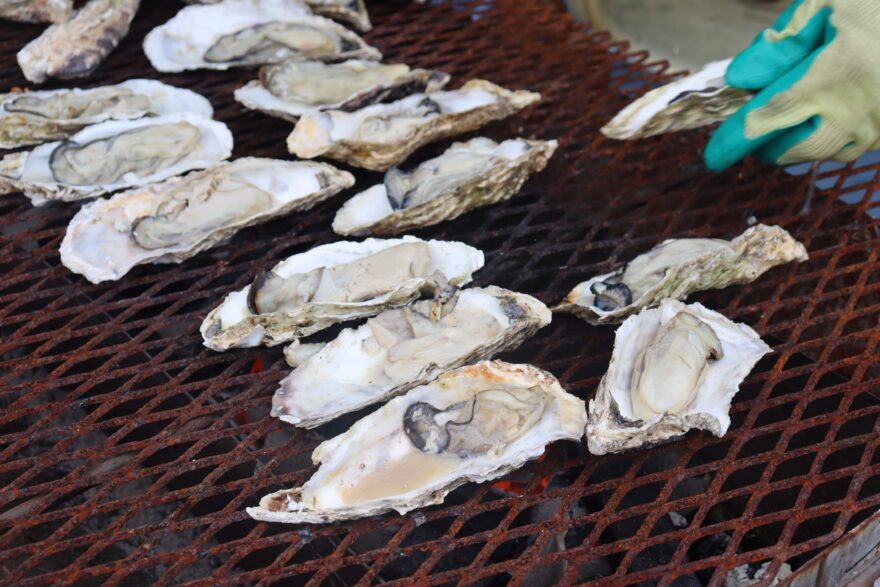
point(817, 73)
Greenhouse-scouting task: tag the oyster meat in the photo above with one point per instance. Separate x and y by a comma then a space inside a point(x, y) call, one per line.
point(77, 47)
point(237, 33)
point(333, 283)
point(115, 155)
point(467, 176)
point(31, 118)
point(677, 268)
point(36, 10)
point(382, 135)
point(673, 369)
point(176, 219)
point(292, 88)
point(697, 100)
point(403, 348)
point(473, 424)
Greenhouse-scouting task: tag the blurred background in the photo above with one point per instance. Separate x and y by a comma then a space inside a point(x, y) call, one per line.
point(688, 33)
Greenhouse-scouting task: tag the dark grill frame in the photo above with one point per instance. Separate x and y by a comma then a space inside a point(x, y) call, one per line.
point(128, 451)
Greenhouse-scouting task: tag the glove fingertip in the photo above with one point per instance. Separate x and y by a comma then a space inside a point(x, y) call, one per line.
point(718, 156)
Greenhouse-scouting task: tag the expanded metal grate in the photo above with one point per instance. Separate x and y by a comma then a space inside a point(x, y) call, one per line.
point(128, 451)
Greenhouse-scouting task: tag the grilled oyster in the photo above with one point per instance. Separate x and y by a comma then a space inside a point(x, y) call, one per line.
point(471, 425)
point(116, 155)
point(403, 348)
point(673, 369)
point(382, 135)
point(333, 283)
point(351, 12)
point(31, 118)
point(239, 33)
point(181, 217)
point(467, 176)
point(292, 88)
point(677, 268)
point(697, 100)
point(77, 47)
point(36, 10)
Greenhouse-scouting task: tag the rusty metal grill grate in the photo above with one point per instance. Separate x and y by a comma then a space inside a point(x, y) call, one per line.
point(128, 451)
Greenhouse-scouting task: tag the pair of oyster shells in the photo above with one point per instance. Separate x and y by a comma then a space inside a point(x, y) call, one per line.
point(674, 367)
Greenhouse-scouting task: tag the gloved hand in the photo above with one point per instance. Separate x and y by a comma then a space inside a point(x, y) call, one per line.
point(817, 71)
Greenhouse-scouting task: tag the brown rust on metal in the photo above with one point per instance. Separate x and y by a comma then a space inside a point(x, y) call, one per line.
point(128, 451)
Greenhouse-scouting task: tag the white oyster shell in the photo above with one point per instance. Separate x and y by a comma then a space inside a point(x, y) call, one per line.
point(99, 243)
point(382, 135)
point(403, 348)
point(183, 42)
point(357, 83)
point(31, 172)
point(36, 10)
point(697, 100)
point(352, 12)
point(76, 47)
point(234, 324)
point(488, 419)
point(465, 177)
point(43, 118)
point(611, 424)
point(677, 268)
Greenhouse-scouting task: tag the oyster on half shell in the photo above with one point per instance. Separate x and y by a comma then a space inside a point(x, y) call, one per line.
point(75, 48)
point(352, 12)
point(677, 268)
point(336, 282)
point(176, 219)
point(292, 88)
point(673, 369)
point(382, 135)
point(238, 33)
point(36, 10)
point(403, 348)
point(31, 118)
point(473, 424)
point(697, 100)
point(116, 155)
point(467, 176)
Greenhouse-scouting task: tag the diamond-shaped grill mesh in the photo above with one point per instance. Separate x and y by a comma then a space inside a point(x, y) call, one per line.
point(128, 452)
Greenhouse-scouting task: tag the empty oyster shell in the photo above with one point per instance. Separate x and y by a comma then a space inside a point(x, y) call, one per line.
point(697, 100)
point(382, 135)
point(77, 47)
point(181, 217)
point(116, 155)
point(673, 369)
point(333, 283)
point(292, 88)
point(467, 176)
point(403, 348)
point(36, 10)
point(239, 33)
point(31, 118)
point(471, 425)
point(677, 268)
